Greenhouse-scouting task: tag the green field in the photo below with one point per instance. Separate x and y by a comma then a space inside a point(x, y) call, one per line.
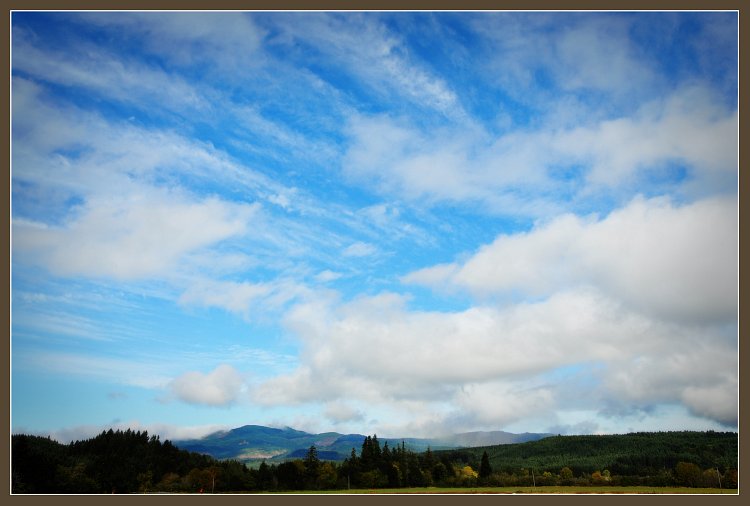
point(528, 490)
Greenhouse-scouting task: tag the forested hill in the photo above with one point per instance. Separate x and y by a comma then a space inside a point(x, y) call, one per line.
point(637, 454)
point(131, 461)
point(114, 461)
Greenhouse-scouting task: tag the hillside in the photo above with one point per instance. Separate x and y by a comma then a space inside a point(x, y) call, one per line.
point(624, 454)
point(256, 443)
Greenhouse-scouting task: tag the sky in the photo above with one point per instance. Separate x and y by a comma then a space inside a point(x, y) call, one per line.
point(407, 224)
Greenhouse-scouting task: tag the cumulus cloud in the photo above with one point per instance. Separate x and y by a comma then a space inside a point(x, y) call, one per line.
point(220, 387)
point(672, 261)
point(377, 350)
point(690, 127)
point(718, 402)
point(339, 412)
point(644, 299)
point(701, 374)
point(501, 403)
point(409, 352)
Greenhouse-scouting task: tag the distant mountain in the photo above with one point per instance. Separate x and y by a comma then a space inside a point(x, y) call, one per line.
point(255, 443)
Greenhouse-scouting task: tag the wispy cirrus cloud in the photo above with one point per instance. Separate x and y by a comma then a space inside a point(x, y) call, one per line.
point(251, 300)
point(226, 40)
point(107, 74)
point(542, 172)
point(377, 57)
point(142, 372)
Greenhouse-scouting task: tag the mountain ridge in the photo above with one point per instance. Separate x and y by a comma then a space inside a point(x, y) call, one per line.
point(256, 443)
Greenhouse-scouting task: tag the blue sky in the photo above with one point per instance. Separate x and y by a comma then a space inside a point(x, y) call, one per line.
point(407, 224)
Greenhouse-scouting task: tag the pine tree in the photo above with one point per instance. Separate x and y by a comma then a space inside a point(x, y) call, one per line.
point(312, 467)
point(484, 468)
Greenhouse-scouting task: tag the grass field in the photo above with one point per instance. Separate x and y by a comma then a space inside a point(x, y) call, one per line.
point(529, 490)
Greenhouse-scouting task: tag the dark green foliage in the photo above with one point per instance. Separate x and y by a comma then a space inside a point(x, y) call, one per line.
point(36, 462)
point(291, 475)
point(636, 454)
point(312, 468)
point(134, 462)
point(485, 469)
point(114, 461)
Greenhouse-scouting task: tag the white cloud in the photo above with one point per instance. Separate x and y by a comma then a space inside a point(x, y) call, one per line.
point(131, 237)
point(327, 276)
point(643, 301)
point(676, 262)
point(359, 249)
point(339, 412)
point(700, 373)
point(104, 73)
point(364, 47)
point(690, 127)
point(281, 201)
point(235, 297)
point(61, 149)
point(542, 58)
point(220, 387)
point(498, 404)
point(520, 173)
point(597, 55)
point(411, 353)
point(228, 40)
point(492, 361)
point(714, 402)
point(140, 372)
point(244, 298)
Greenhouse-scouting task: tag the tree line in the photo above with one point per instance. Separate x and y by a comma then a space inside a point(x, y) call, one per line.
point(117, 462)
point(134, 462)
point(642, 455)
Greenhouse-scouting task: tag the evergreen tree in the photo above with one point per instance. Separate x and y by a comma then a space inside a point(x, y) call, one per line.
point(387, 457)
point(484, 468)
point(265, 477)
point(312, 468)
point(429, 460)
